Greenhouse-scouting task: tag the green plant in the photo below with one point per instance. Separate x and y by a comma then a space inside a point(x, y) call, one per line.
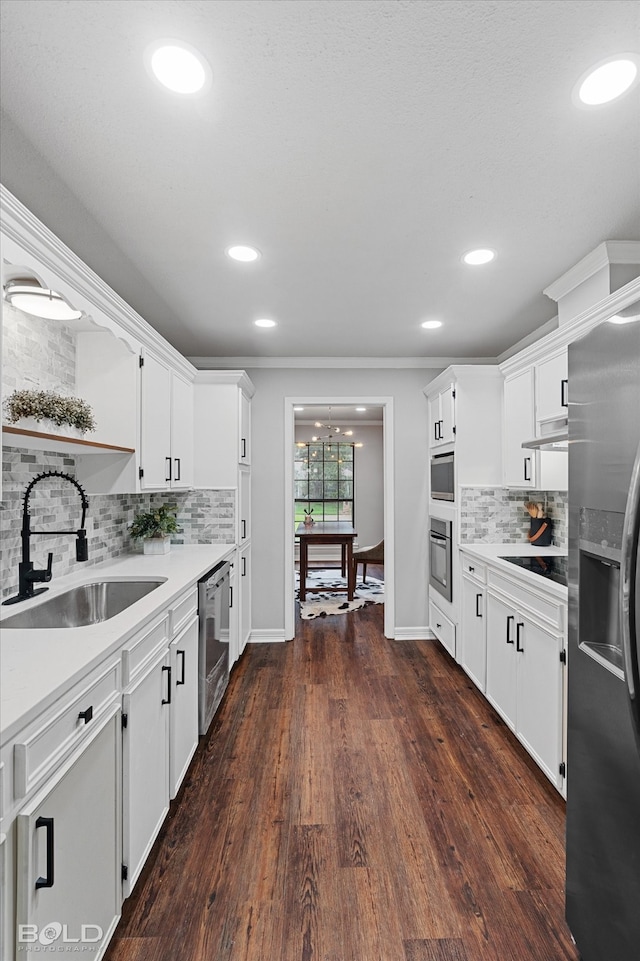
point(155, 523)
point(48, 405)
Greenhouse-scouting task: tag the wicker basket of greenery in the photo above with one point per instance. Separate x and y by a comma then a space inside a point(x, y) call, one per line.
point(154, 528)
point(47, 410)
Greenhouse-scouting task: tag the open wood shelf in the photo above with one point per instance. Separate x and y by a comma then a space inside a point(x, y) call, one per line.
point(38, 440)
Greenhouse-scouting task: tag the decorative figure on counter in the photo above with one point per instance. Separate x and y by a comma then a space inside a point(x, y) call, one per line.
point(308, 519)
point(541, 531)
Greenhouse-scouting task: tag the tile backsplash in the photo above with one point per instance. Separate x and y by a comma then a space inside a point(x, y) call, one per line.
point(496, 515)
point(205, 516)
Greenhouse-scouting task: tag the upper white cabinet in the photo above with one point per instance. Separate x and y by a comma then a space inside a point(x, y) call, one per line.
point(519, 464)
point(166, 436)
point(442, 416)
point(551, 389)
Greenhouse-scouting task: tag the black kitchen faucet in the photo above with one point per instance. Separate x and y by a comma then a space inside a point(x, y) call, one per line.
point(27, 575)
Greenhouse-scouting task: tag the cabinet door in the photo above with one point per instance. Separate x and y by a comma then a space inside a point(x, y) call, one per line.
point(552, 380)
point(244, 447)
point(181, 433)
point(519, 463)
point(68, 854)
point(244, 506)
point(155, 436)
point(434, 421)
point(539, 695)
point(447, 415)
point(474, 645)
point(145, 764)
point(184, 703)
point(244, 598)
point(501, 660)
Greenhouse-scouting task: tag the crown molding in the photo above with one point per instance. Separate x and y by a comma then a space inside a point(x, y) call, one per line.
point(237, 378)
point(28, 243)
point(606, 254)
point(421, 363)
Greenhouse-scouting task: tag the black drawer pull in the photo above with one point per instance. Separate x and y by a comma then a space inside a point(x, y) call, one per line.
point(181, 681)
point(511, 617)
point(167, 700)
point(86, 715)
point(47, 824)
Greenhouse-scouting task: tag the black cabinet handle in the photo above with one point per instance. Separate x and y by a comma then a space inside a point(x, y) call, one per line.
point(47, 824)
point(440, 423)
point(244, 566)
point(168, 464)
point(438, 625)
point(181, 681)
point(472, 570)
point(167, 700)
point(243, 444)
point(177, 470)
point(230, 596)
point(435, 430)
point(86, 715)
point(243, 525)
point(478, 611)
point(511, 617)
point(527, 463)
point(564, 389)
point(519, 626)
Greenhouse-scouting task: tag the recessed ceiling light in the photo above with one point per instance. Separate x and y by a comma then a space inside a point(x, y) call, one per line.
point(177, 66)
point(243, 253)
point(431, 324)
point(607, 81)
point(265, 322)
point(298, 408)
point(361, 408)
point(30, 297)
point(477, 257)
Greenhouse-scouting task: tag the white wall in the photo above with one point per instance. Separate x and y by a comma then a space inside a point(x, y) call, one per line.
point(410, 479)
point(369, 487)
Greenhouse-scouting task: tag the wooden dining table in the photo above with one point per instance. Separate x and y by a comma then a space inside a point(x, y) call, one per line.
point(327, 532)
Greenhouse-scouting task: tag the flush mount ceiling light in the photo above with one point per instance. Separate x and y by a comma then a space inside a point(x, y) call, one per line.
point(178, 66)
point(265, 322)
point(431, 324)
point(243, 253)
point(475, 258)
point(607, 81)
point(27, 295)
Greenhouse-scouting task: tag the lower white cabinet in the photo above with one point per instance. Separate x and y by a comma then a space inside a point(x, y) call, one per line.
point(244, 597)
point(443, 628)
point(184, 702)
point(145, 757)
point(473, 640)
point(525, 681)
point(69, 854)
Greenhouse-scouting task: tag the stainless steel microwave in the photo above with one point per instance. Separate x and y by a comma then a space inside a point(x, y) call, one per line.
point(443, 483)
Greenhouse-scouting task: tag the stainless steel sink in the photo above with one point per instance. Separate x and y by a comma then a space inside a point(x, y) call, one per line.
point(83, 605)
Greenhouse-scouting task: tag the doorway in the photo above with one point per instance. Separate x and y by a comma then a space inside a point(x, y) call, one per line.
point(386, 403)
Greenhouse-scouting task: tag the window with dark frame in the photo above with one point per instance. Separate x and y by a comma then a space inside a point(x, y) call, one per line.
point(324, 481)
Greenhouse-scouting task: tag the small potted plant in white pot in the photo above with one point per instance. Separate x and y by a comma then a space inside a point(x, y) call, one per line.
point(154, 528)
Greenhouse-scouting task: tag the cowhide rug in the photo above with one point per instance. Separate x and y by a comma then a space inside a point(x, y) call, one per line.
point(326, 602)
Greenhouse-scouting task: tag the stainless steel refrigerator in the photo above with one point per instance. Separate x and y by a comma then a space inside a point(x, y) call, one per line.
point(603, 753)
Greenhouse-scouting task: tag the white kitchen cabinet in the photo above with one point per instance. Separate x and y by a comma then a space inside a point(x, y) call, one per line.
point(244, 597)
point(146, 707)
point(443, 628)
point(184, 702)
point(442, 416)
point(167, 429)
point(68, 852)
point(525, 680)
point(551, 389)
point(473, 641)
point(519, 426)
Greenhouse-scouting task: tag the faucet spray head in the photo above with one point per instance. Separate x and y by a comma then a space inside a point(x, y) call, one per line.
point(82, 547)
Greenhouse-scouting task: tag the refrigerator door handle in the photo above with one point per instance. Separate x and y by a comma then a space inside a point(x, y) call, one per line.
point(628, 599)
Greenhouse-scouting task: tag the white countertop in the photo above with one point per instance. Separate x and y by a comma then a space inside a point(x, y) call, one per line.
point(494, 552)
point(38, 666)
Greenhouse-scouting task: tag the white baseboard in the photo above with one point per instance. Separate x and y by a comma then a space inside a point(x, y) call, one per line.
point(266, 636)
point(413, 634)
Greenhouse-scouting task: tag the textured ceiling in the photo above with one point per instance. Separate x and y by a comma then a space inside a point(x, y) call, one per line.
point(362, 146)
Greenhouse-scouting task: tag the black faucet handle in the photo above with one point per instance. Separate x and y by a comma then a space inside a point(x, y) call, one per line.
point(42, 576)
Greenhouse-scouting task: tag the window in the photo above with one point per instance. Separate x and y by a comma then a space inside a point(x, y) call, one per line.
point(324, 478)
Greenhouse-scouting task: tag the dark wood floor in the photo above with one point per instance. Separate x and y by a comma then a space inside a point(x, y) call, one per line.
point(356, 800)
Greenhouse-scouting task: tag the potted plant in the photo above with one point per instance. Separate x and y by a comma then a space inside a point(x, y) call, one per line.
point(154, 528)
point(49, 411)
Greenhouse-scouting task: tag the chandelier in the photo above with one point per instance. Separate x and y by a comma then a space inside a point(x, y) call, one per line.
point(333, 431)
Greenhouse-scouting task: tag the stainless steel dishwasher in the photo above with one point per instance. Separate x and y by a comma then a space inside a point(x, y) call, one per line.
point(213, 647)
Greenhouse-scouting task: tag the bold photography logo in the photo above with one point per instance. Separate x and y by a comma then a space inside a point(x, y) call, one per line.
point(56, 933)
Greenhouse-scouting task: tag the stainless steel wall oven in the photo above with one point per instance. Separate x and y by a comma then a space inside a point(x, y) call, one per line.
point(440, 557)
point(442, 475)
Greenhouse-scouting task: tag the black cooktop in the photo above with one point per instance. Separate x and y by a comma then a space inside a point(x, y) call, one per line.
point(553, 567)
